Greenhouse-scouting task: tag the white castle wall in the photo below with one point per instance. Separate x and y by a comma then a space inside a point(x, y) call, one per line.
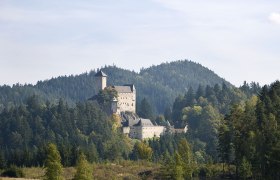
point(144, 132)
point(149, 132)
point(101, 83)
point(127, 102)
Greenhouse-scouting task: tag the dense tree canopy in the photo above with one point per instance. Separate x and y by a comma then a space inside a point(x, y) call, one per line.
point(253, 130)
point(27, 129)
point(236, 126)
point(160, 84)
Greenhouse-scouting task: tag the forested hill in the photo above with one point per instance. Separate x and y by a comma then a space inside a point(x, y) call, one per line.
point(159, 84)
point(181, 75)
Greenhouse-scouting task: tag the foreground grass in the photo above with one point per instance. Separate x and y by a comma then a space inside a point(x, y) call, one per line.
point(119, 170)
point(127, 170)
point(132, 170)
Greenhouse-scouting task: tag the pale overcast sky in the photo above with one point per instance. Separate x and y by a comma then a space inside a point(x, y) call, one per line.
point(238, 39)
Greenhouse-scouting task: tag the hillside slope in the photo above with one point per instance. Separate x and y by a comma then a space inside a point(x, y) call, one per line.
point(159, 84)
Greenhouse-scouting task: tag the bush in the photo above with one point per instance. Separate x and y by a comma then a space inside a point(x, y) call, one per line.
point(210, 170)
point(13, 171)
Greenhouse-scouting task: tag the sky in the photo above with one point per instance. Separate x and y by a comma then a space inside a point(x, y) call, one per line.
point(239, 40)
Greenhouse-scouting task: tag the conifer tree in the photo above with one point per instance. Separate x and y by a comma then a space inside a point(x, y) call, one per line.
point(185, 153)
point(145, 110)
point(189, 98)
point(53, 164)
point(245, 169)
point(2, 160)
point(200, 92)
point(178, 171)
point(167, 165)
point(84, 170)
point(225, 146)
point(143, 151)
point(168, 114)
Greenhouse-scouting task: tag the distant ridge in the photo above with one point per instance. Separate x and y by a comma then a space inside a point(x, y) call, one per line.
point(160, 84)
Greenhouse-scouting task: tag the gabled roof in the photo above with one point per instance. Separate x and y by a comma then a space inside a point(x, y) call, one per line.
point(124, 89)
point(144, 123)
point(129, 119)
point(100, 74)
point(131, 86)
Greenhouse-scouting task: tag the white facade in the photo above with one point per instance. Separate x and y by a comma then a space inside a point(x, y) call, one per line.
point(126, 130)
point(145, 129)
point(103, 83)
point(125, 106)
point(126, 101)
point(101, 80)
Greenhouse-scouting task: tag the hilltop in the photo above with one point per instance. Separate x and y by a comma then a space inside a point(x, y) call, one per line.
point(160, 84)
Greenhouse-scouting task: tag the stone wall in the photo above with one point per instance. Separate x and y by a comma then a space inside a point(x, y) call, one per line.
point(127, 102)
point(154, 131)
point(145, 132)
point(101, 83)
point(135, 132)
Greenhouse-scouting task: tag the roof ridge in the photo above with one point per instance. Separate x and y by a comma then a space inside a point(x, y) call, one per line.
point(100, 74)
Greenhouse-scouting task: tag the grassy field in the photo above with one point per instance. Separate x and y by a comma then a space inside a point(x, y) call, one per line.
point(121, 170)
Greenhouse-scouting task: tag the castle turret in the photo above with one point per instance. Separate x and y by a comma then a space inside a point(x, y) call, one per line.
point(101, 79)
point(114, 105)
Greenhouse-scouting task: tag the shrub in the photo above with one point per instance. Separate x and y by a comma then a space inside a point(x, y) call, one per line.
point(13, 171)
point(210, 170)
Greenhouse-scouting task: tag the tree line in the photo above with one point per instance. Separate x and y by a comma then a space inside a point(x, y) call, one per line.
point(160, 84)
point(237, 127)
point(26, 130)
point(249, 136)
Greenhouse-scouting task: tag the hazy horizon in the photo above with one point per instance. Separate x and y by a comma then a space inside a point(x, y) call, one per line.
point(237, 40)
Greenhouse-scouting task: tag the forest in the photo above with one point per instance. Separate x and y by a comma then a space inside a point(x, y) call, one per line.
point(233, 133)
point(160, 84)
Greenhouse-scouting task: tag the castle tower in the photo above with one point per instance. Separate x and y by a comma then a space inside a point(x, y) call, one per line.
point(101, 79)
point(114, 106)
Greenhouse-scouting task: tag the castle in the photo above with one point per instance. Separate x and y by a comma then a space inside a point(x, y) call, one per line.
point(126, 101)
point(125, 106)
